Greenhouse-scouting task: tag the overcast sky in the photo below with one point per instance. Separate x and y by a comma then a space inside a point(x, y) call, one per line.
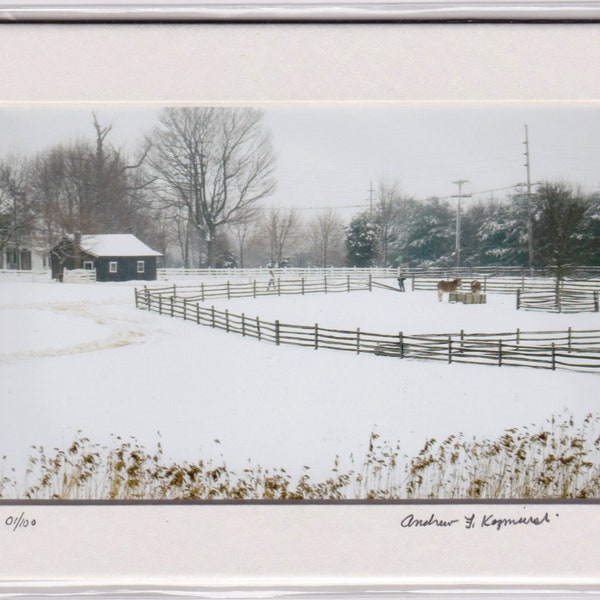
point(328, 155)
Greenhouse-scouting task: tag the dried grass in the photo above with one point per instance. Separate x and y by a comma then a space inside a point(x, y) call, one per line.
point(558, 460)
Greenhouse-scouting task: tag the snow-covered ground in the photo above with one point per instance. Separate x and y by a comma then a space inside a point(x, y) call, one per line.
point(80, 357)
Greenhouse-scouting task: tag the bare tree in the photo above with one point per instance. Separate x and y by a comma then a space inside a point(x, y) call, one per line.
point(243, 229)
point(17, 214)
point(558, 228)
point(90, 188)
point(326, 234)
point(214, 162)
point(388, 218)
point(280, 228)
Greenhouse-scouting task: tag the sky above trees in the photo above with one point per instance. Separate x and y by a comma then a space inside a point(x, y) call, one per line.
point(329, 155)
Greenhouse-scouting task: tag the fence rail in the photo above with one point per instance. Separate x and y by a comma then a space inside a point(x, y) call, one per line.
point(510, 285)
point(262, 273)
point(569, 300)
point(176, 274)
point(24, 275)
point(273, 287)
point(570, 349)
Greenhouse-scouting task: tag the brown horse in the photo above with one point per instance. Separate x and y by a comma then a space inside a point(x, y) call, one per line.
point(475, 287)
point(447, 287)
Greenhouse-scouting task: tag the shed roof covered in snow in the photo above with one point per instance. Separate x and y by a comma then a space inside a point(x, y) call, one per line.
point(115, 244)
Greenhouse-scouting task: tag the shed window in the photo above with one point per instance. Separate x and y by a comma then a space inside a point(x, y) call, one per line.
point(141, 266)
point(112, 266)
point(88, 264)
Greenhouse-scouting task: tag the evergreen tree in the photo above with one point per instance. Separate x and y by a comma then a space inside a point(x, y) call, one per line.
point(591, 231)
point(501, 238)
point(428, 233)
point(361, 241)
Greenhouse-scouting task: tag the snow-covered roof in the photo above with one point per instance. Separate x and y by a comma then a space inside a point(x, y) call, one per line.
point(115, 244)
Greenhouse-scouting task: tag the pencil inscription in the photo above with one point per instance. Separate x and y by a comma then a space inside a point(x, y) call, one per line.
point(15, 522)
point(474, 521)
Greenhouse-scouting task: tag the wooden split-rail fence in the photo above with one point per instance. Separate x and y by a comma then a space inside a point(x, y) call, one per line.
point(568, 300)
point(272, 287)
point(510, 285)
point(570, 349)
point(534, 293)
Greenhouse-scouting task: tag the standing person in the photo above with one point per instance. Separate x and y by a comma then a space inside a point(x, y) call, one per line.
point(271, 283)
point(401, 280)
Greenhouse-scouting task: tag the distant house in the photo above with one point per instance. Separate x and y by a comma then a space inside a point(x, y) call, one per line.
point(26, 257)
point(115, 257)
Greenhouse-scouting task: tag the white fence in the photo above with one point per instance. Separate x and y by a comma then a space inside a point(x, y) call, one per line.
point(283, 273)
point(20, 275)
point(79, 275)
point(170, 274)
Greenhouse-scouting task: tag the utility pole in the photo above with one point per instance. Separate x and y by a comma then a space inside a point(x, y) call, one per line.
point(371, 191)
point(529, 207)
point(460, 196)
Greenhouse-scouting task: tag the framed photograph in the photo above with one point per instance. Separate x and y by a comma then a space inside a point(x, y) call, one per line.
point(299, 308)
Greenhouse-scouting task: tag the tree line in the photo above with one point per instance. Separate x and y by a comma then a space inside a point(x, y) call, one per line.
point(562, 222)
point(196, 186)
point(191, 191)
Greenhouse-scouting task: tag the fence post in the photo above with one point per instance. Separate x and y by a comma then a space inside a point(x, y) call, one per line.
point(174, 290)
point(185, 309)
point(197, 314)
point(279, 286)
point(148, 301)
point(136, 297)
point(325, 282)
point(499, 353)
point(348, 282)
point(254, 288)
point(449, 349)
point(303, 286)
point(401, 340)
point(358, 340)
point(484, 284)
point(212, 315)
point(258, 329)
point(277, 332)
point(595, 294)
point(518, 337)
point(569, 337)
point(518, 299)
point(462, 339)
point(227, 320)
point(316, 336)
point(243, 325)
point(370, 282)
point(172, 299)
point(412, 283)
point(228, 290)
point(202, 289)
point(553, 357)
point(160, 304)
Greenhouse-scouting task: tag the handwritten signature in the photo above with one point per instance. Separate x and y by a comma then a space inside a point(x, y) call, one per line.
point(473, 521)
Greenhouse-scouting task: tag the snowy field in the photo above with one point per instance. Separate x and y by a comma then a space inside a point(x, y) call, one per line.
point(80, 358)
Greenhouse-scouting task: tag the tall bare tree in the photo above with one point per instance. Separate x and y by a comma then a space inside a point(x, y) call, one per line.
point(17, 212)
point(388, 216)
point(281, 228)
point(243, 229)
point(326, 235)
point(90, 188)
point(213, 161)
point(559, 227)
